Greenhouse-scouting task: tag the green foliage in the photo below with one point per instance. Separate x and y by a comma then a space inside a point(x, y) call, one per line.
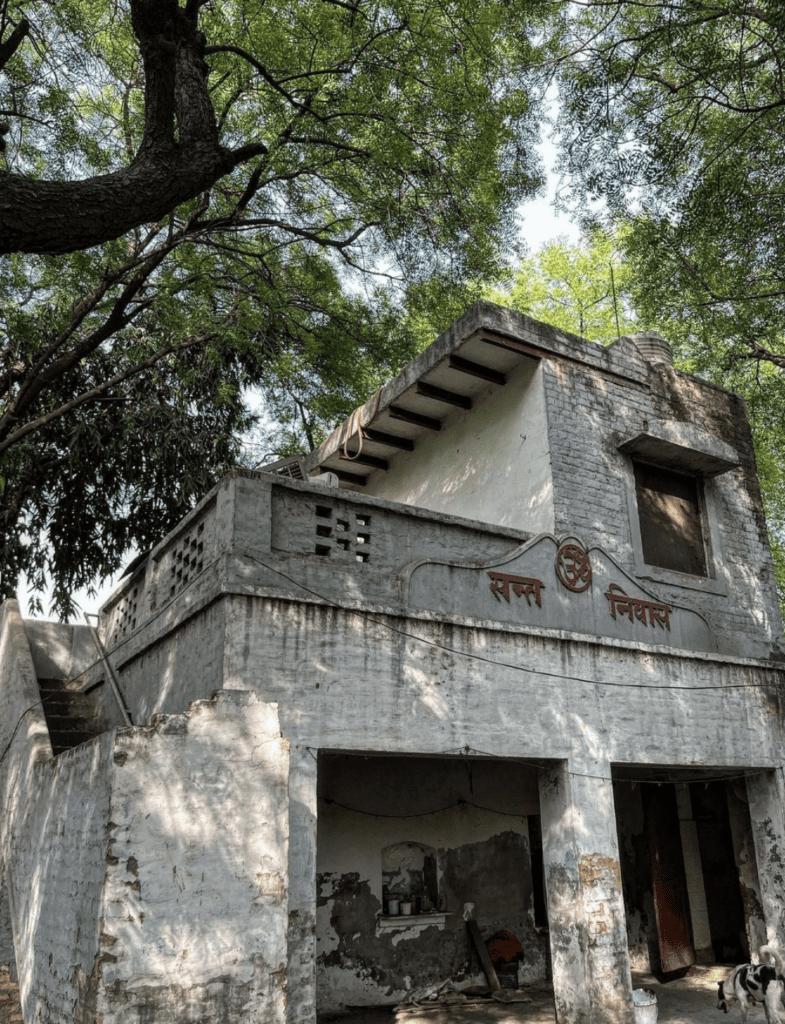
point(673, 112)
point(671, 119)
point(584, 289)
point(384, 148)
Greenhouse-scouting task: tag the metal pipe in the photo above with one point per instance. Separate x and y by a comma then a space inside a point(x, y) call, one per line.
point(112, 677)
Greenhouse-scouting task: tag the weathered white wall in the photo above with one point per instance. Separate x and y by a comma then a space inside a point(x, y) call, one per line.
point(346, 682)
point(56, 874)
point(59, 651)
point(478, 829)
point(512, 693)
point(53, 842)
point(591, 964)
point(352, 666)
point(590, 414)
point(188, 665)
point(766, 793)
point(195, 902)
point(490, 463)
point(146, 870)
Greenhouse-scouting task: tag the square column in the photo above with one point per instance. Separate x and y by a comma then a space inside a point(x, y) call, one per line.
point(591, 964)
point(301, 961)
point(746, 862)
point(766, 792)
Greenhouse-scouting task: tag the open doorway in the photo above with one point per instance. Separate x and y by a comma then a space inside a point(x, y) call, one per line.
point(689, 878)
point(403, 844)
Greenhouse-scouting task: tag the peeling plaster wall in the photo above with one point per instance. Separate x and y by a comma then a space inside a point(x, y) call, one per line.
point(146, 870)
point(56, 876)
point(54, 849)
point(195, 904)
point(766, 794)
point(482, 857)
point(346, 682)
point(588, 941)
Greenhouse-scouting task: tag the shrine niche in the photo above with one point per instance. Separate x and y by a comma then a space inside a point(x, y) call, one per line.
point(557, 584)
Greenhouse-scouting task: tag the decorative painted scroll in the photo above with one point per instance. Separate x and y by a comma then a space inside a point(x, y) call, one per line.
point(648, 612)
point(459, 592)
point(521, 585)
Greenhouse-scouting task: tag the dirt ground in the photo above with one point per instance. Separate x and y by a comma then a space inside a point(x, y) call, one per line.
point(10, 1010)
point(688, 1000)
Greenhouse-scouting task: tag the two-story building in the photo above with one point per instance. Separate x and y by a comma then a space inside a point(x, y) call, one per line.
point(509, 638)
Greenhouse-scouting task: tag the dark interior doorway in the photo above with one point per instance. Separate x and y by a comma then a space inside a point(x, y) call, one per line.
point(680, 843)
point(404, 844)
point(720, 875)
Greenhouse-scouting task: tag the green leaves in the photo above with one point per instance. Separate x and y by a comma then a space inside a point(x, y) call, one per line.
point(583, 289)
point(369, 153)
point(674, 113)
point(672, 117)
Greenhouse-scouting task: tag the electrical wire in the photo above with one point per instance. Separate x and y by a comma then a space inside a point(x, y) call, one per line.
point(471, 655)
point(424, 814)
point(745, 773)
point(21, 718)
point(492, 661)
point(430, 643)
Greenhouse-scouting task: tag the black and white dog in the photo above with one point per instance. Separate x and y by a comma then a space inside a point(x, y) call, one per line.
point(755, 983)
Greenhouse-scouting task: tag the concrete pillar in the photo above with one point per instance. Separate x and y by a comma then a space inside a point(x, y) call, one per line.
point(301, 965)
point(744, 854)
point(767, 815)
point(591, 964)
point(7, 957)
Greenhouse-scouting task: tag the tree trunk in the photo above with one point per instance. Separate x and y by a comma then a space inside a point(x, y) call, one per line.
point(179, 156)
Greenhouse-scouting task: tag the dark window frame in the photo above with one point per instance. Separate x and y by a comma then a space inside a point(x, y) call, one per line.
point(672, 519)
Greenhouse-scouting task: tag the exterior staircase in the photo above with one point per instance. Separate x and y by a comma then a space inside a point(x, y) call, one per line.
point(70, 715)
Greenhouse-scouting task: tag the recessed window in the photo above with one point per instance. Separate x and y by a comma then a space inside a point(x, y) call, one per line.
point(671, 519)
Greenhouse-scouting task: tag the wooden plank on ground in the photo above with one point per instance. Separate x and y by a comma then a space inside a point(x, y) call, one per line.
point(482, 952)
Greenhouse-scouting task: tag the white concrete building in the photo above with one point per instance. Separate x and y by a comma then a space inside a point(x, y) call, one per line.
point(519, 647)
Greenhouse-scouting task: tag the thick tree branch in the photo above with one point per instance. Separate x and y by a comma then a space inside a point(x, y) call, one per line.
point(179, 157)
point(762, 354)
point(9, 46)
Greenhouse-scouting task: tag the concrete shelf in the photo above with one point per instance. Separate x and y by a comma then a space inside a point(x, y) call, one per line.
point(385, 921)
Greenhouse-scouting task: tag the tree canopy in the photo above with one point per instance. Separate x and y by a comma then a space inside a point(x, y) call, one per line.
point(333, 155)
point(339, 118)
point(673, 112)
point(582, 288)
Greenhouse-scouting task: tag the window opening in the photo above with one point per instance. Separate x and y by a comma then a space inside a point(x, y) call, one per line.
point(671, 519)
